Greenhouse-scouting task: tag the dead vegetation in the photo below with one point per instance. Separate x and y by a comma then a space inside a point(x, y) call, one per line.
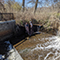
point(48, 16)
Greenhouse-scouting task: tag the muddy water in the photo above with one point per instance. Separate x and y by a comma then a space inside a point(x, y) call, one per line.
point(41, 46)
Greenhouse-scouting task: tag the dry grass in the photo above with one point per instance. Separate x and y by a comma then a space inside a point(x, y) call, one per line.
point(48, 19)
point(47, 16)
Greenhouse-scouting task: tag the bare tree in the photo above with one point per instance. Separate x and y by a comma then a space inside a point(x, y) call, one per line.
point(58, 5)
point(9, 5)
point(2, 8)
point(2, 1)
point(36, 3)
point(23, 5)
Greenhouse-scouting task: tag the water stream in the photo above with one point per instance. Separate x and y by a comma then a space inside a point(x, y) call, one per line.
point(50, 49)
point(46, 48)
point(39, 47)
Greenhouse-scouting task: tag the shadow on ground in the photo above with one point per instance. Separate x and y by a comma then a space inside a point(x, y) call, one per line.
point(20, 39)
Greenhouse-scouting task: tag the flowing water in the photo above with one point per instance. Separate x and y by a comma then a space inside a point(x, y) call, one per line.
point(43, 47)
point(50, 49)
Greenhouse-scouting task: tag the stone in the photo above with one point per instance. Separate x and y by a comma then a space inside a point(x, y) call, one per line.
point(6, 29)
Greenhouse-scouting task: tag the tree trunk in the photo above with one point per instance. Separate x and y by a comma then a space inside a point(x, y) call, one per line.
point(23, 5)
point(36, 5)
point(2, 8)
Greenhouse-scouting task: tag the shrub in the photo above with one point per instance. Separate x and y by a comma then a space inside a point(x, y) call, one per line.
point(16, 6)
point(58, 15)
